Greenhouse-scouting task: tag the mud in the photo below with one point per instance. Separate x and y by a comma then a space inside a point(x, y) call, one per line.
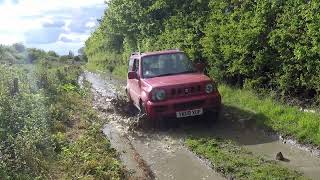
point(154, 154)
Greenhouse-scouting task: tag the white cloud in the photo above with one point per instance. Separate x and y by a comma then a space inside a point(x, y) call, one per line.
point(25, 20)
point(60, 47)
point(38, 7)
point(91, 24)
point(73, 37)
point(6, 39)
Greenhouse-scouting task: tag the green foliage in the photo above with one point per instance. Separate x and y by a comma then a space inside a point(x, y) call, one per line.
point(270, 44)
point(35, 55)
point(11, 55)
point(19, 54)
point(121, 71)
point(24, 139)
point(37, 123)
point(232, 160)
point(20, 48)
point(143, 26)
point(257, 44)
point(82, 150)
point(236, 41)
point(91, 156)
point(68, 87)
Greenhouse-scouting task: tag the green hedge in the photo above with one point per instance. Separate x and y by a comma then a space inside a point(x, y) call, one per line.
point(257, 44)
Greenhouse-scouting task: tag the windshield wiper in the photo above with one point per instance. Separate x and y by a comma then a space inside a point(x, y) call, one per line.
point(171, 74)
point(168, 74)
point(186, 72)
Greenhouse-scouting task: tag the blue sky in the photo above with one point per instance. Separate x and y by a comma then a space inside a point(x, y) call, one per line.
point(59, 25)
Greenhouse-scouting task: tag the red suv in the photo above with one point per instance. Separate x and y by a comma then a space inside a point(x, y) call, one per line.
point(167, 84)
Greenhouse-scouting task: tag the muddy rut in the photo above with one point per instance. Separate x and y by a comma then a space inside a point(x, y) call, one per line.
point(160, 154)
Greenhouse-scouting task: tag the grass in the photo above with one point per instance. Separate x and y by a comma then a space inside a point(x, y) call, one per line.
point(285, 119)
point(91, 157)
point(234, 161)
point(121, 71)
point(83, 151)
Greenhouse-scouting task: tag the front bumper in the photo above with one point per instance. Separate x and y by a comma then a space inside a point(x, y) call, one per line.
point(168, 108)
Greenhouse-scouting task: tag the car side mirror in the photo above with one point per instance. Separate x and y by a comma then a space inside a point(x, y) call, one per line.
point(132, 75)
point(200, 67)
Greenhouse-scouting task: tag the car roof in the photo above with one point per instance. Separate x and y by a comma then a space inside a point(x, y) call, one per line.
point(140, 55)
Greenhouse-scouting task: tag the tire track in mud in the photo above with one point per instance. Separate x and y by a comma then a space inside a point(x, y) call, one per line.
point(162, 155)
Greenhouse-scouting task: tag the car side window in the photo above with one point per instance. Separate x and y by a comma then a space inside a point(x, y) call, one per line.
point(136, 66)
point(130, 65)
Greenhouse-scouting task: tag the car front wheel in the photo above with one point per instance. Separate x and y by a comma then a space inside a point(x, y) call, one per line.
point(214, 116)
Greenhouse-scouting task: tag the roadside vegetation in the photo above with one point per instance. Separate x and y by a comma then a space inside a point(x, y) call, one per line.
point(289, 121)
point(237, 163)
point(48, 128)
point(19, 54)
point(265, 47)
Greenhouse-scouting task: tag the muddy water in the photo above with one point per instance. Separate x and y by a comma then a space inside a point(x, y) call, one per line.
point(162, 155)
point(261, 143)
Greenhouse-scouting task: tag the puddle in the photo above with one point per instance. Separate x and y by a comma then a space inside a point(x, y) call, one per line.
point(173, 161)
point(261, 143)
point(164, 155)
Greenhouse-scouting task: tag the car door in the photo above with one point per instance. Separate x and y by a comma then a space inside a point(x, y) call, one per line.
point(135, 83)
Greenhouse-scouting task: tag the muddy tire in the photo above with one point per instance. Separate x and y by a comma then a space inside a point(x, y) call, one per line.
point(129, 97)
point(143, 118)
point(213, 117)
point(150, 123)
point(155, 123)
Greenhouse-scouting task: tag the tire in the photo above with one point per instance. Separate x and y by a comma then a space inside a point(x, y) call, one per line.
point(151, 123)
point(142, 108)
point(131, 108)
point(129, 97)
point(155, 123)
point(212, 117)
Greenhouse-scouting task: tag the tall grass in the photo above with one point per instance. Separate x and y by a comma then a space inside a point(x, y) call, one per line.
point(25, 142)
point(50, 124)
point(121, 71)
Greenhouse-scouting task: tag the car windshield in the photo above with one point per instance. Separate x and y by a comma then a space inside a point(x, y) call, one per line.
point(166, 64)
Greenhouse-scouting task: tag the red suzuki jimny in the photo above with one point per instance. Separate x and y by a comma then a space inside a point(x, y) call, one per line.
point(167, 84)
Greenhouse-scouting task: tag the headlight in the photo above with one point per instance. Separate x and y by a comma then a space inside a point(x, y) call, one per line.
point(209, 88)
point(159, 95)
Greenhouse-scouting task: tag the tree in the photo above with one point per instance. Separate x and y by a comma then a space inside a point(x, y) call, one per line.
point(35, 55)
point(19, 47)
point(77, 58)
point(257, 44)
point(52, 54)
point(70, 54)
point(82, 54)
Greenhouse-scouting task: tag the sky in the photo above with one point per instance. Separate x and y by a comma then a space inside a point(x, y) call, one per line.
point(59, 25)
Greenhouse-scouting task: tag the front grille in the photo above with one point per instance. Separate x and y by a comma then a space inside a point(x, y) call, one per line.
point(186, 91)
point(160, 109)
point(189, 105)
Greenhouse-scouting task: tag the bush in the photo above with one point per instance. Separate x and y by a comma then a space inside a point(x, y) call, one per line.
point(25, 139)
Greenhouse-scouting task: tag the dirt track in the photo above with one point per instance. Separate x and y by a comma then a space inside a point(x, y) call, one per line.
point(162, 155)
